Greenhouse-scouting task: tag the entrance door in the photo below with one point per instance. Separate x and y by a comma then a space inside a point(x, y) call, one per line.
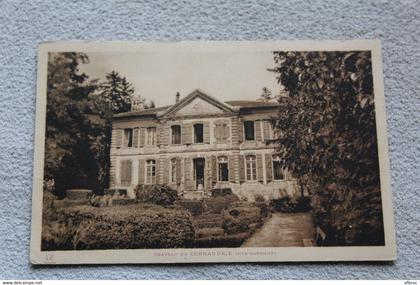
point(199, 173)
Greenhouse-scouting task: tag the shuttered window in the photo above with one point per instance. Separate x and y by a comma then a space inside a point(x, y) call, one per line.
point(151, 136)
point(151, 171)
point(251, 168)
point(223, 168)
point(221, 131)
point(173, 170)
point(278, 172)
point(125, 172)
point(128, 138)
point(176, 134)
point(249, 131)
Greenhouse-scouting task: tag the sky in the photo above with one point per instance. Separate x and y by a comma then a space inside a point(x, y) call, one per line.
point(158, 76)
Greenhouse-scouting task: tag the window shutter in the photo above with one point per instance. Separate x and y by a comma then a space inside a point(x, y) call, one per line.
point(112, 172)
point(266, 130)
point(268, 167)
point(217, 131)
point(164, 134)
point(117, 134)
point(260, 174)
point(186, 131)
point(231, 167)
point(241, 169)
point(178, 170)
point(162, 171)
point(141, 171)
point(206, 132)
point(226, 131)
point(257, 125)
point(142, 137)
point(136, 137)
point(125, 176)
point(214, 169)
point(187, 173)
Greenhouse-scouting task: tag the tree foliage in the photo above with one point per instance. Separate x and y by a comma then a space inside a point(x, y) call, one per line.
point(68, 135)
point(78, 126)
point(266, 94)
point(326, 136)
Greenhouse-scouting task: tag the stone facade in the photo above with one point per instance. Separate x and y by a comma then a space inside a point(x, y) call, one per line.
point(199, 144)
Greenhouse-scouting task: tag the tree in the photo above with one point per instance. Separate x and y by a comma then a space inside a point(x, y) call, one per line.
point(327, 138)
point(151, 104)
point(266, 94)
point(67, 124)
point(115, 95)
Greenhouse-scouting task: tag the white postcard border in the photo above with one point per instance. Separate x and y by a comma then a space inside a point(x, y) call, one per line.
point(207, 255)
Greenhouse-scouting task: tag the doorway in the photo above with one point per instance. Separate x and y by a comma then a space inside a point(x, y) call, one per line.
point(199, 173)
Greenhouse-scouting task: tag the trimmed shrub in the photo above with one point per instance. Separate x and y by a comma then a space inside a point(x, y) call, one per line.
point(259, 198)
point(209, 232)
point(234, 240)
point(238, 217)
point(218, 203)
point(264, 209)
point(78, 194)
point(195, 207)
point(135, 227)
point(100, 201)
point(161, 195)
point(291, 205)
point(217, 192)
point(56, 235)
point(69, 203)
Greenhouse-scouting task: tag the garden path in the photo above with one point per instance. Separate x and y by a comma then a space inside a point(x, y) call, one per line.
point(283, 229)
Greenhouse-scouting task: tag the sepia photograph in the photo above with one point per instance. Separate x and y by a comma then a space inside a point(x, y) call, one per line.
point(211, 152)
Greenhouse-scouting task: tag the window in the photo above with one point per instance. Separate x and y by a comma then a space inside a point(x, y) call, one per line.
point(151, 136)
point(251, 168)
point(151, 171)
point(128, 137)
point(173, 170)
point(125, 172)
point(221, 132)
point(277, 169)
point(249, 130)
point(198, 133)
point(176, 134)
point(223, 169)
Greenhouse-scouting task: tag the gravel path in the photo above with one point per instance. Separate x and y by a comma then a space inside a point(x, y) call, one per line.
point(283, 230)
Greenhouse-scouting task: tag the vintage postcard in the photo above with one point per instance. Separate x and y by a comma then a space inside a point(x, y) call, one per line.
point(211, 152)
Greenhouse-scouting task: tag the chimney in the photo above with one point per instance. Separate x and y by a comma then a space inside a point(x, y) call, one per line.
point(177, 97)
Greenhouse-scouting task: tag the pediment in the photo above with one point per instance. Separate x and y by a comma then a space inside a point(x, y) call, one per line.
point(198, 106)
point(198, 103)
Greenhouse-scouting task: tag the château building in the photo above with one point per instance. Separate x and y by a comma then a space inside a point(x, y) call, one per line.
point(198, 144)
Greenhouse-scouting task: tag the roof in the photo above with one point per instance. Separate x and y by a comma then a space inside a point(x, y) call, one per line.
point(229, 106)
point(251, 104)
point(145, 112)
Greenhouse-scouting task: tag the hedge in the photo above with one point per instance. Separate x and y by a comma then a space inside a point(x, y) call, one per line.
point(156, 194)
point(128, 226)
point(238, 216)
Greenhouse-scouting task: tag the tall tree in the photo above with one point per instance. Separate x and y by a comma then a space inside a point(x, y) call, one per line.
point(327, 137)
point(115, 95)
point(67, 124)
point(266, 94)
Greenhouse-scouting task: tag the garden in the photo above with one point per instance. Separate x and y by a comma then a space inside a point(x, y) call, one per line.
point(156, 218)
